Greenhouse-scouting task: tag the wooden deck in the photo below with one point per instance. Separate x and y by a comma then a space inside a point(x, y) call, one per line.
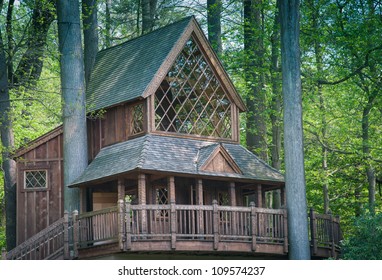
point(181, 229)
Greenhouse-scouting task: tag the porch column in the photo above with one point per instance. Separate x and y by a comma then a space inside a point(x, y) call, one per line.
point(199, 201)
point(142, 201)
point(232, 194)
point(199, 192)
point(259, 196)
point(171, 189)
point(121, 189)
point(141, 189)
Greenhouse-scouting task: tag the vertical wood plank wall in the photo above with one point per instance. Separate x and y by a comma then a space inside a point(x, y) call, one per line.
point(37, 209)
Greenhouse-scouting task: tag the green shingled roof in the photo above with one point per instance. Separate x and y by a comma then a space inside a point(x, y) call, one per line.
point(123, 72)
point(173, 155)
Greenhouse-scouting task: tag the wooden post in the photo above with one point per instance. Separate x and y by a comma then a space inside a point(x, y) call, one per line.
point(121, 189)
point(128, 213)
point(216, 223)
point(142, 201)
point(286, 231)
point(66, 235)
point(232, 198)
point(171, 188)
point(333, 245)
point(75, 233)
point(259, 196)
point(199, 193)
point(173, 225)
point(313, 231)
point(232, 194)
point(121, 223)
point(253, 225)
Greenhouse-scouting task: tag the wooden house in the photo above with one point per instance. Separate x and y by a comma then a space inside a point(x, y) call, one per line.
point(163, 141)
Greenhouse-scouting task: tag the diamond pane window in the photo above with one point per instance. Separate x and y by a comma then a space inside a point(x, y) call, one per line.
point(161, 199)
point(136, 123)
point(35, 179)
point(191, 99)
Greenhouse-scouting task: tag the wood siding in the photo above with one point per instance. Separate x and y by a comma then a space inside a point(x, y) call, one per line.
point(38, 208)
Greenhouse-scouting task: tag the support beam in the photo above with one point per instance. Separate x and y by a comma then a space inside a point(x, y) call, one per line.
point(121, 189)
point(142, 201)
point(171, 189)
point(142, 189)
point(232, 194)
point(199, 192)
point(259, 196)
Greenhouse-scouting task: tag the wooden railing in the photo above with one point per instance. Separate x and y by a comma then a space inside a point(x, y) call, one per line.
point(50, 243)
point(132, 223)
point(325, 233)
point(126, 225)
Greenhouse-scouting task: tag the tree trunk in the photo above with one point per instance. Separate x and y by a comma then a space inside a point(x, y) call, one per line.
point(73, 92)
point(276, 111)
point(8, 164)
point(256, 131)
point(29, 69)
point(315, 12)
point(148, 15)
point(214, 10)
point(108, 24)
point(293, 132)
point(90, 22)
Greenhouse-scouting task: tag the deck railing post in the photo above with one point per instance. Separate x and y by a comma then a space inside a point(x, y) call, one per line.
point(121, 224)
point(76, 227)
point(253, 225)
point(313, 231)
point(333, 245)
point(128, 213)
point(66, 235)
point(173, 225)
point(286, 231)
point(216, 223)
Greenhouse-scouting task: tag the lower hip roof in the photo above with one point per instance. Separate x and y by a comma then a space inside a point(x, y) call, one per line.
point(173, 155)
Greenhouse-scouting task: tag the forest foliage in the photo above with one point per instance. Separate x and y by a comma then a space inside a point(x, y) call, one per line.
point(341, 64)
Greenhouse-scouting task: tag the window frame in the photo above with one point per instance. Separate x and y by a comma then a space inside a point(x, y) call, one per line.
point(24, 172)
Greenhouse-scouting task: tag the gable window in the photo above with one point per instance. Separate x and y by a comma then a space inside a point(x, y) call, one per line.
point(136, 120)
point(191, 100)
point(35, 179)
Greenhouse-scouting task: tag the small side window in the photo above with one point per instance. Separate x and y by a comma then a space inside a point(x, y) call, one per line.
point(136, 123)
point(35, 179)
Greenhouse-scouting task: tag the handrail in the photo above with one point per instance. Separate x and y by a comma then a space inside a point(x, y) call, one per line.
point(325, 232)
point(47, 244)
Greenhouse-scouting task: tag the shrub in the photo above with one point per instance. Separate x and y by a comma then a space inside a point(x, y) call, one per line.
point(365, 243)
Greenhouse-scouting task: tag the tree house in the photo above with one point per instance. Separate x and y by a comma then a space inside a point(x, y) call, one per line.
point(163, 140)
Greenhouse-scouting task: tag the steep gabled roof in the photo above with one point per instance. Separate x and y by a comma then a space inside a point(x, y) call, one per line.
point(173, 155)
point(135, 69)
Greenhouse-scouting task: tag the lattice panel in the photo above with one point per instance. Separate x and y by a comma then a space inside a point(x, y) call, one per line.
point(191, 99)
point(137, 119)
point(35, 179)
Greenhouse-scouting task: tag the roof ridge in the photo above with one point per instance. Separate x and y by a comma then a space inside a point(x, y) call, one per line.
point(142, 157)
point(146, 34)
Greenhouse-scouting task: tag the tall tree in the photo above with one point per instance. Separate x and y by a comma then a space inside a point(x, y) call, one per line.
point(256, 130)
point(149, 8)
point(73, 95)
point(293, 132)
point(214, 11)
point(8, 165)
point(90, 25)
point(26, 73)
